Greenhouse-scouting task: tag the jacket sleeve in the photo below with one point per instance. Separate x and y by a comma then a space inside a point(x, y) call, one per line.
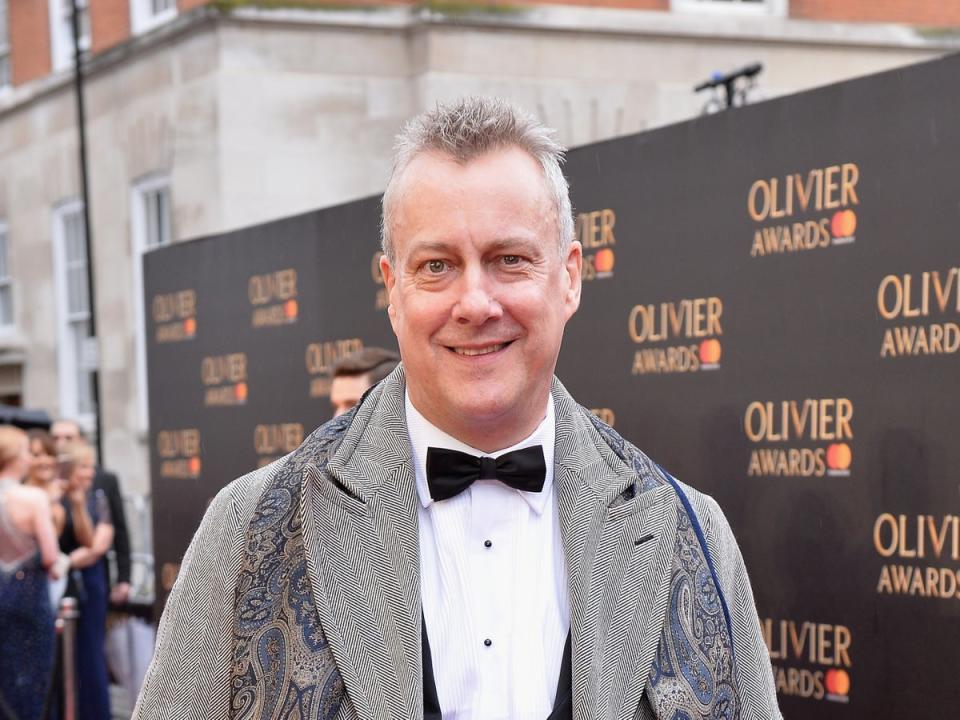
point(758, 695)
point(121, 538)
point(189, 677)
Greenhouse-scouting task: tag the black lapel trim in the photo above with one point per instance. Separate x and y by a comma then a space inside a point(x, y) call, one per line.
point(431, 703)
point(563, 702)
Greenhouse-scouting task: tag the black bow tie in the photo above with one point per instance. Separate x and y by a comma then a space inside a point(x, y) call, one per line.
point(450, 472)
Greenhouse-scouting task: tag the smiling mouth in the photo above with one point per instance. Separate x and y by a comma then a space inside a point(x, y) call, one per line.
point(473, 352)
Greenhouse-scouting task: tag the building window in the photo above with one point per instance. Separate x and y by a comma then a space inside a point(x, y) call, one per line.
point(74, 352)
point(61, 31)
point(6, 281)
point(148, 14)
point(4, 45)
point(749, 7)
point(151, 228)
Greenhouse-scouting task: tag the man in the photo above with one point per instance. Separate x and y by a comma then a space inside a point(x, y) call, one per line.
point(468, 543)
point(65, 434)
point(356, 373)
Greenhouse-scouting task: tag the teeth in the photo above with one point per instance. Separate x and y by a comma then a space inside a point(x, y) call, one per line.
point(479, 351)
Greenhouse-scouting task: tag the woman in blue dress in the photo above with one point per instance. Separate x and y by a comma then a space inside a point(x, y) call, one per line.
point(28, 554)
point(87, 535)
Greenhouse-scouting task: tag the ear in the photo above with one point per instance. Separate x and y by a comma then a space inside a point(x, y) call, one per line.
point(390, 283)
point(573, 266)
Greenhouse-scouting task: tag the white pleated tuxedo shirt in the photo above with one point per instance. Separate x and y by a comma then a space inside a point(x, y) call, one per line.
point(493, 579)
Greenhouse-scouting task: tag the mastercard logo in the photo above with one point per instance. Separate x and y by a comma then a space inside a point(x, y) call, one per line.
point(194, 466)
point(604, 260)
point(843, 224)
point(190, 326)
point(290, 309)
point(240, 391)
point(839, 456)
point(837, 681)
point(710, 351)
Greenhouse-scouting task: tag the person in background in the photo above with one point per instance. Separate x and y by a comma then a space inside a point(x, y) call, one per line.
point(28, 556)
point(356, 373)
point(42, 474)
point(65, 434)
point(87, 537)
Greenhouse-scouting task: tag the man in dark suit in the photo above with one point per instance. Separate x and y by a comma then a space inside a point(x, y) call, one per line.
point(65, 433)
point(468, 542)
point(355, 373)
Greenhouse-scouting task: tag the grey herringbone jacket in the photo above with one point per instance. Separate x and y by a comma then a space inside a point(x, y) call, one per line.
point(299, 596)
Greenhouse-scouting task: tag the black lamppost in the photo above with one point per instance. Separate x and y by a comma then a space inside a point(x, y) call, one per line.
point(91, 348)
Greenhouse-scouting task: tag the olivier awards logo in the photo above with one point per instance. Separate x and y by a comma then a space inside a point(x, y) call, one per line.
point(810, 660)
point(925, 555)
point(381, 300)
point(594, 230)
point(179, 452)
point(174, 316)
point(677, 337)
point(276, 440)
point(800, 212)
point(273, 297)
point(225, 379)
point(320, 358)
point(920, 306)
point(800, 438)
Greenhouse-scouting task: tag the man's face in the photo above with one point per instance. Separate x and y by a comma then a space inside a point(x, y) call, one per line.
point(64, 434)
point(479, 292)
point(346, 391)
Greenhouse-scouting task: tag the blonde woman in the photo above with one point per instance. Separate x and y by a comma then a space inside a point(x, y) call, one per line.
point(28, 555)
point(87, 536)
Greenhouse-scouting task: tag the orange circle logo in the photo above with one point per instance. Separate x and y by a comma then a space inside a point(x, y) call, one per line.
point(837, 681)
point(839, 456)
point(710, 351)
point(240, 391)
point(190, 326)
point(603, 261)
point(194, 466)
point(843, 223)
point(290, 309)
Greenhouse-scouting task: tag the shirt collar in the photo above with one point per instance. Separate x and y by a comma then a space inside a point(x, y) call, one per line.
point(424, 434)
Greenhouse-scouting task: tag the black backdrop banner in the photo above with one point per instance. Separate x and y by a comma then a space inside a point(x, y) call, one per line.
point(771, 309)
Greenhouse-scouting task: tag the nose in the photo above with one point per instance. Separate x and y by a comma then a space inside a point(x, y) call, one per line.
point(477, 303)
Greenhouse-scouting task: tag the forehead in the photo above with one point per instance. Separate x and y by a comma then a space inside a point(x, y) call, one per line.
point(64, 428)
point(501, 191)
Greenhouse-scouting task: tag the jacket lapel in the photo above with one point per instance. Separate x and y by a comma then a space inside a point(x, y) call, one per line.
point(361, 542)
point(619, 550)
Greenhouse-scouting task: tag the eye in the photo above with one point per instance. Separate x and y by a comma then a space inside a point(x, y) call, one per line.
point(511, 259)
point(435, 267)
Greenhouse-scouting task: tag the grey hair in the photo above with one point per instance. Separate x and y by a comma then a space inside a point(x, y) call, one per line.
point(468, 129)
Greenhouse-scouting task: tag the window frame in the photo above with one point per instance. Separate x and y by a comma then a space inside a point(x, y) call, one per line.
point(764, 8)
point(143, 20)
point(5, 47)
point(61, 32)
point(7, 281)
point(69, 391)
point(138, 244)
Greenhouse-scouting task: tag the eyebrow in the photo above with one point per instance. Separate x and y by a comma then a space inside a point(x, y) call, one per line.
point(529, 246)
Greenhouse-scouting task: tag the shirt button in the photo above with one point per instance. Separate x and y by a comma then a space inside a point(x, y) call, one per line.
point(488, 642)
point(487, 544)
